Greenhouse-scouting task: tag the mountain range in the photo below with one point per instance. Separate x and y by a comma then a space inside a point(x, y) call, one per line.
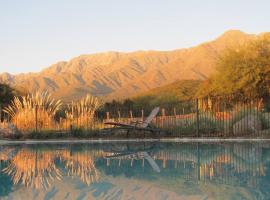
point(117, 75)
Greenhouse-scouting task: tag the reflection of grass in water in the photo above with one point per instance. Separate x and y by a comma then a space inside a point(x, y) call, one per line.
point(82, 165)
point(37, 168)
point(33, 168)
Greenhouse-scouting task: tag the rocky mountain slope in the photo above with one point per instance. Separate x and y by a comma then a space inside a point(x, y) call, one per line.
point(119, 75)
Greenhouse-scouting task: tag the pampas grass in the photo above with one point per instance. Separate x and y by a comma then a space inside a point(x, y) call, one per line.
point(38, 111)
point(28, 110)
point(81, 114)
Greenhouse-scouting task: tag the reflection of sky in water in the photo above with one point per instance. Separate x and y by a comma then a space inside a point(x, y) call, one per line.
point(135, 171)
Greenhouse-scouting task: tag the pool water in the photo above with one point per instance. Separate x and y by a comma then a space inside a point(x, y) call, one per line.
point(135, 170)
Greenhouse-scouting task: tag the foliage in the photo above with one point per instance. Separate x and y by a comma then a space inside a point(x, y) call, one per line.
point(6, 94)
point(168, 96)
point(25, 110)
point(74, 133)
point(208, 124)
point(243, 112)
point(243, 71)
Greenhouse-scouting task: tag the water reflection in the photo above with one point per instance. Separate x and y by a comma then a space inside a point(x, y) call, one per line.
point(33, 168)
point(82, 165)
point(110, 170)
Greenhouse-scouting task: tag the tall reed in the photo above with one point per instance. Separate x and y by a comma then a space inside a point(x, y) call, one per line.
point(81, 114)
point(32, 111)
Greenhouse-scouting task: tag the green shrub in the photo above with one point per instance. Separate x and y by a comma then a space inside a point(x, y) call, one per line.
point(77, 132)
point(244, 112)
point(207, 125)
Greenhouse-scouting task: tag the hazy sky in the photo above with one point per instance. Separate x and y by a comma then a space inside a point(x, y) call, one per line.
point(37, 33)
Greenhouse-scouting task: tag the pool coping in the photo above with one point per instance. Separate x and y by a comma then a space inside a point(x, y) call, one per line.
point(56, 141)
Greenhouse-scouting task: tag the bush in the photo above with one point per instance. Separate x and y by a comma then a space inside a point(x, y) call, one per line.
point(46, 135)
point(244, 112)
point(207, 125)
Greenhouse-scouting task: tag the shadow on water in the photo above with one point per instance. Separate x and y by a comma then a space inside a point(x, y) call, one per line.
point(202, 169)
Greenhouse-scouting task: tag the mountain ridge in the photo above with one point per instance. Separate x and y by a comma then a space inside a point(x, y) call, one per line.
point(117, 75)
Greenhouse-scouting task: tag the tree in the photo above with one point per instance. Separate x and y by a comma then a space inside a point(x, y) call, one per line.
point(6, 94)
point(128, 104)
point(243, 71)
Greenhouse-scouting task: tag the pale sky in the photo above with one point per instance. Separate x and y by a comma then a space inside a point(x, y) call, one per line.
point(37, 33)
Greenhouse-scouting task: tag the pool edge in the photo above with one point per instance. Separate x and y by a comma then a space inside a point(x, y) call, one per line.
point(3, 142)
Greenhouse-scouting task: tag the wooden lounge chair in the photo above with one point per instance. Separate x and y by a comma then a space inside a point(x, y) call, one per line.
point(137, 125)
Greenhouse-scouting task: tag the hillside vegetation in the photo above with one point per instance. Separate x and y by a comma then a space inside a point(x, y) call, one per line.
point(172, 93)
point(244, 71)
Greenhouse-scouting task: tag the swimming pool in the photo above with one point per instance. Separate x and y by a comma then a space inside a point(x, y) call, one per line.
point(135, 170)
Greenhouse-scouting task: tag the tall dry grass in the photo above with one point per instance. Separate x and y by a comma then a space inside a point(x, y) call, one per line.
point(27, 110)
point(81, 114)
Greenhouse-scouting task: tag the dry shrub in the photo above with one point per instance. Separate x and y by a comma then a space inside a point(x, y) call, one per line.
point(26, 110)
point(81, 114)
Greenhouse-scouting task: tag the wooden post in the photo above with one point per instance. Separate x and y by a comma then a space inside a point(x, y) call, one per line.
point(66, 125)
point(61, 123)
point(142, 115)
point(174, 112)
point(0, 113)
point(164, 163)
point(131, 114)
point(119, 115)
point(163, 112)
point(197, 118)
point(175, 116)
point(36, 117)
point(87, 121)
point(77, 120)
point(107, 115)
